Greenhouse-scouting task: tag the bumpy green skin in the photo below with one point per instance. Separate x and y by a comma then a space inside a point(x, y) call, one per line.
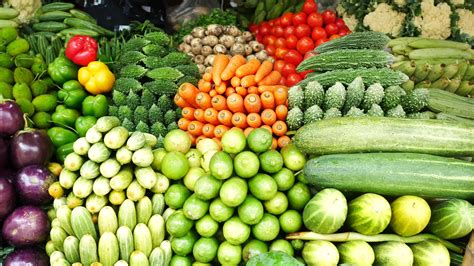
point(119, 98)
point(355, 112)
point(335, 97)
point(140, 115)
point(147, 99)
point(165, 103)
point(172, 126)
point(161, 87)
point(154, 50)
point(295, 97)
point(113, 111)
point(131, 57)
point(125, 112)
point(415, 101)
point(128, 124)
point(392, 97)
point(155, 114)
point(313, 94)
point(176, 58)
point(142, 127)
point(373, 94)
point(420, 115)
point(295, 118)
point(124, 85)
point(332, 113)
point(312, 114)
point(354, 94)
point(357, 40)
point(375, 110)
point(158, 129)
point(396, 112)
point(158, 37)
point(132, 71)
point(189, 70)
point(133, 100)
point(170, 117)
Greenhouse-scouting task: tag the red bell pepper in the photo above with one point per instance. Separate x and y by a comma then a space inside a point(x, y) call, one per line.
point(81, 50)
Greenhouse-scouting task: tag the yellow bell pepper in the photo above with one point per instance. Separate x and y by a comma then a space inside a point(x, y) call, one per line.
point(96, 77)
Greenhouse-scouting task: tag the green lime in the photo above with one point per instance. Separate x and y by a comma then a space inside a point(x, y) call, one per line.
point(207, 187)
point(233, 141)
point(180, 261)
point(221, 165)
point(267, 229)
point(195, 208)
point(263, 187)
point(260, 140)
point(229, 254)
point(291, 221)
point(293, 158)
point(174, 165)
point(283, 246)
point(192, 176)
point(205, 249)
point(176, 195)
point(194, 158)
point(271, 161)
point(246, 164)
point(177, 140)
point(206, 145)
point(277, 205)
point(285, 179)
point(178, 225)
point(233, 192)
point(206, 226)
point(298, 196)
point(219, 211)
point(184, 245)
point(235, 231)
point(253, 248)
point(158, 155)
point(250, 211)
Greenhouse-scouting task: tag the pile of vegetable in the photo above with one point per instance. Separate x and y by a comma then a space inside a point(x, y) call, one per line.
point(8, 16)
point(24, 183)
point(17, 12)
point(262, 10)
point(438, 64)
point(226, 210)
point(290, 38)
point(149, 73)
point(204, 43)
point(236, 93)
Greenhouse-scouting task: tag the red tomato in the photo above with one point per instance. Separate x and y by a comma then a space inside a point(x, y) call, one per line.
point(270, 49)
point(343, 32)
point(278, 65)
point(280, 42)
point(329, 16)
point(271, 22)
point(302, 30)
point(310, 6)
point(277, 22)
point(318, 33)
point(289, 30)
point(283, 81)
point(335, 36)
point(253, 28)
point(264, 29)
point(320, 41)
point(315, 20)
point(286, 19)
point(304, 45)
point(291, 41)
point(292, 79)
point(299, 19)
point(259, 38)
point(288, 69)
point(331, 29)
point(269, 40)
point(293, 57)
point(280, 52)
point(278, 31)
point(340, 23)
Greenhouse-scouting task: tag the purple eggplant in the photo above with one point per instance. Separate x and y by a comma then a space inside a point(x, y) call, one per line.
point(27, 257)
point(7, 197)
point(30, 147)
point(4, 155)
point(26, 226)
point(32, 183)
point(11, 118)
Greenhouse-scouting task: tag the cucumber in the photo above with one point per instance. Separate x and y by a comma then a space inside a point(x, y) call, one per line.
point(88, 250)
point(157, 229)
point(51, 26)
point(85, 24)
point(79, 31)
point(7, 13)
point(428, 53)
point(107, 220)
point(63, 214)
point(108, 249)
point(127, 215)
point(58, 16)
point(393, 174)
point(432, 43)
point(125, 240)
point(450, 103)
point(58, 235)
point(142, 237)
point(71, 249)
point(81, 222)
point(357, 40)
point(82, 15)
point(382, 134)
point(8, 23)
point(57, 6)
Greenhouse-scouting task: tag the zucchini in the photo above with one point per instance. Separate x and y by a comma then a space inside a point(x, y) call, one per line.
point(57, 6)
point(450, 103)
point(58, 16)
point(356, 40)
point(63, 214)
point(381, 134)
point(393, 174)
point(157, 257)
point(138, 259)
point(51, 26)
point(8, 13)
point(144, 210)
point(82, 224)
point(108, 249)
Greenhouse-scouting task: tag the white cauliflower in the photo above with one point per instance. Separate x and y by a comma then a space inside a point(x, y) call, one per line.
point(466, 21)
point(434, 21)
point(350, 20)
point(457, 2)
point(27, 9)
point(400, 3)
point(386, 20)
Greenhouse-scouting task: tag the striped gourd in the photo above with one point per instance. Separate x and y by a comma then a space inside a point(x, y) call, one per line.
point(452, 219)
point(127, 215)
point(393, 174)
point(168, 252)
point(156, 224)
point(138, 258)
point(71, 249)
point(158, 203)
point(430, 252)
point(381, 134)
point(107, 220)
point(157, 257)
point(144, 210)
point(126, 243)
point(81, 222)
point(326, 212)
point(95, 203)
point(108, 249)
point(142, 238)
point(121, 263)
point(356, 40)
point(447, 102)
point(369, 214)
point(55, 256)
point(58, 235)
point(88, 250)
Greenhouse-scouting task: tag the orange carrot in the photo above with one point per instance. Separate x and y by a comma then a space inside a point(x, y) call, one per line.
point(210, 115)
point(229, 91)
point(249, 68)
point(235, 103)
point(279, 128)
point(265, 68)
point(268, 117)
point(239, 120)
point(188, 92)
point(269, 128)
point(241, 91)
point(235, 82)
point(207, 77)
point(271, 79)
point(234, 63)
point(180, 102)
point(188, 113)
point(219, 102)
point(199, 115)
point(254, 120)
point(253, 90)
point(274, 144)
point(193, 138)
point(225, 117)
point(281, 95)
point(248, 130)
point(252, 103)
point(268, 100)
point(208, 130)
point(269, 88)
point(204, 86)
point(248, 81)
point(220, 63)
point(183, 123)
point(203, 100)
point(195, 128)
point(220, 89)
point(212, 93)
point(220, 130)
point(200, 84)
point(283, 141)
point(281, 112)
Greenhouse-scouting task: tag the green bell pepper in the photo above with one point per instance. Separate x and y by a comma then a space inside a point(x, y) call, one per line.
point(65, 117)
point(95, 106)
point(61, 136)
point(72, 94)
point(63, 151)
point(83, 124)
point(62, 70)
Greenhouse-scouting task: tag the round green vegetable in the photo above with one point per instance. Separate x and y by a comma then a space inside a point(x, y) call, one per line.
point(267, 229)
point(206, 187)
point(253, 248)
point(176, 195)
point(195, 208)
point(251, 210)
point(233, 141)
point(177, 140)
point(259, 140)
point(277, 205)
point(271, 161)
point(233, 191)
point(430, 252)
point(298, 196)
point(452, 219)
point(410, 215)
point(183, 246)
point(283, 246)
point(326, 212)
point(220, 211)
point(221, 165)
point(369, 214)
point(291, 221)
point(174, 165)
point(178, 225)
point(206, 226)
point(320, 253)
point(285, 179)
point(205, 249)
point(235, 231)
point(246, 164)
point(393, 254)
point(263, 187)
point(229, 254)
point(356, 252)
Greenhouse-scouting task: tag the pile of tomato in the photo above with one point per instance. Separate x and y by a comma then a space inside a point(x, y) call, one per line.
point(291, 38)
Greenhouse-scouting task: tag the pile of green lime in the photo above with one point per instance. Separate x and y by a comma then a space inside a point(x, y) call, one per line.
point(228, 205)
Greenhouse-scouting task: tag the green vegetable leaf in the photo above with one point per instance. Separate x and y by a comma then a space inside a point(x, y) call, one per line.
point(275, 258)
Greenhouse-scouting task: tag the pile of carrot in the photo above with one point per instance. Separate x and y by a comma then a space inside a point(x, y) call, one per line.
point(236, 93)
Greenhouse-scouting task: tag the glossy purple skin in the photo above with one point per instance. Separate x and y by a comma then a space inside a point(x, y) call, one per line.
point(4, 145)
point(30, 147)
point(32, 183)
point(11, 118)
point(26, 226)
point(7, 197)
point(8, 173)
point(27, 257)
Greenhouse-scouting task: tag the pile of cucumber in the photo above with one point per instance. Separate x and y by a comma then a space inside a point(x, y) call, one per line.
point(7, 16)
point(436, 64)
